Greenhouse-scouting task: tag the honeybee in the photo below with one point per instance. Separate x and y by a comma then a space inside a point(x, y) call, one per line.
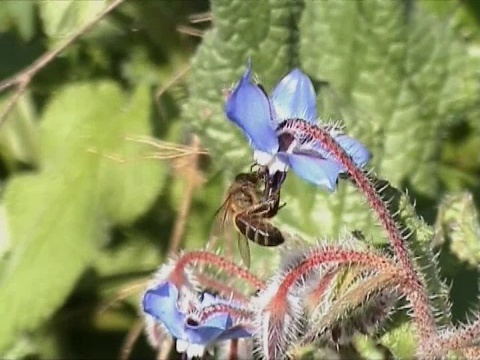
point(248, 208)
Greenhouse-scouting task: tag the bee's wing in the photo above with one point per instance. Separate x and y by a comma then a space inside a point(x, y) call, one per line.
point(218, 225)
point(244, 249)
point(222, 229)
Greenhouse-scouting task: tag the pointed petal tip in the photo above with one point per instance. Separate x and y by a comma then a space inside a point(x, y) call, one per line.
point(297, 73)
point(294, 97)
point(249, 63)
point(249, 108)
point(247, 74)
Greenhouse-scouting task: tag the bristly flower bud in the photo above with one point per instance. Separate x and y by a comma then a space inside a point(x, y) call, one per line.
point(278, 322)
point(340, 302)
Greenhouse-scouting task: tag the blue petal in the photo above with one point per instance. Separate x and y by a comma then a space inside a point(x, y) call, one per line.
point(321, 172)
point(249, 108)
point(294, 98)
point(161, 303)
point(235, 332)
point(209, 331)
point(359, 153)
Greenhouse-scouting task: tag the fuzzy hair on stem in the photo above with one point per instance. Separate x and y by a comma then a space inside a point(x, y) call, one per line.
point(426, 325)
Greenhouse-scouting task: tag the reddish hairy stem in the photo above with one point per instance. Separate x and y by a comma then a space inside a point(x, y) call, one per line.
point(455, 339)
point(408, 285)
point(323, 285)
point(224, 290)
point(235, 313)
point(326, 281)
point(472, 353)
point(376, 203)
point(328, 255)
point(225, 265)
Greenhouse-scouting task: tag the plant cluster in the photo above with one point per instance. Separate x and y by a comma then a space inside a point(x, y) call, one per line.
point(127, 128)
point(323, 293)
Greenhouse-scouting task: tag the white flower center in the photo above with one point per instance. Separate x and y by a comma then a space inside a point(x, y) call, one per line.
point(192, 350)
point(272, 162)
point(262, 158)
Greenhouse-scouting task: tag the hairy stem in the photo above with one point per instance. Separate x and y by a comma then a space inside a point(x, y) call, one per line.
point(237, 314)
point(463, 338)
point(219, 262)
point(412, 290)
point(221, 288)
point(471, 353)
point(427, 328)
point(351, 300)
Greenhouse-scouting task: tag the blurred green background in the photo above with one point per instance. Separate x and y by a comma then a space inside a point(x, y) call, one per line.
point(85, 210)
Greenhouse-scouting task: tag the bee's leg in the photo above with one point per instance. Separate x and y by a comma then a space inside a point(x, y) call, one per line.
point(267, 181)
point(253, 166)
point(278, 179)
point(273, 183)
point(261, 209)
point(266, 208)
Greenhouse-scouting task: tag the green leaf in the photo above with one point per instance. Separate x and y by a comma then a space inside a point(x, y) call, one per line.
point(125, 187)
point(5, 241)
point(458, 224)
point(462, 14)
point(61, 19)
point(53, 225)
point(136, 255)
point(242, 29)
point(18, 136)
point(392, 78)
point(22, 348)
point(259, 30)
point(59, 217)
point(20, 14)
point(316, 214)
point(368, 348)
point(461, 163)
point(400, 78)
point(401, 341)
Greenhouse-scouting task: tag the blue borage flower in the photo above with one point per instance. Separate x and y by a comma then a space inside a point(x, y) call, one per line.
point(265, 121)
point(180, 317)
